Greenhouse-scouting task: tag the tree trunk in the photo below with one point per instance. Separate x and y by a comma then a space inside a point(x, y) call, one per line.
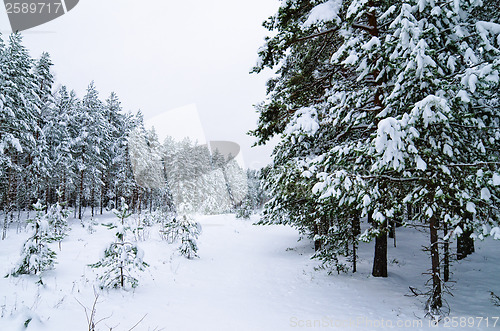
point(465, 244)
point(80, 196)
point(92, 199)
point(436, 300)
point(380, 258)
point(63, 195)
point(104, 191)
point(317, 243)
point(150, 200)
point(356, 230)
point(446, 248)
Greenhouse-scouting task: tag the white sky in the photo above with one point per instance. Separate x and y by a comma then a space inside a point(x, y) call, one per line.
point(162, 55)
point(179, 123)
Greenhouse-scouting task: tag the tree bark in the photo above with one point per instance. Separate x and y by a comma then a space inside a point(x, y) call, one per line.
point(317, 243)
point(380, 258)
point(356, 230)
point(436, 300)
point(80, 196)
point(446, 261)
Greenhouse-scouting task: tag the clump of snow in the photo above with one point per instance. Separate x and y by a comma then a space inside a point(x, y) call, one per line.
point(464, 96)
point(366, 200)
point(496, 179)
point(485, 194)
point(389, 142)
point(373, 42)
point(421, 165)
point(327, 11)
point(354, 7)
point(471, 207)
point(495, 233)
point(305, 121)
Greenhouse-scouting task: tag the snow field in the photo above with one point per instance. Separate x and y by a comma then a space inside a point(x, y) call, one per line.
point(247, 278)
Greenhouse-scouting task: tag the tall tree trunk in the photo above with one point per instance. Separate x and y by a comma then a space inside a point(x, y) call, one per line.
point(380, 258)
point(446, 248)
point(356, 230)
point(63, 195)
point(92, 199)
point(436, 300)
point(380, 255)
point(104, 192)
point(80, 196)
point(80, 193)
point(11, 197)
point(150, 200)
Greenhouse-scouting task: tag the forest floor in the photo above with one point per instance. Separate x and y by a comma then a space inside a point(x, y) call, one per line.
point(247, 278)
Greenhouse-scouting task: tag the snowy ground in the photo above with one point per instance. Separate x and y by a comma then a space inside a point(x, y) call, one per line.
point(247, 278)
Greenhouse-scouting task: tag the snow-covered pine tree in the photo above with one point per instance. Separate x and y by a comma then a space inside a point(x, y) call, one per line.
point(118, 179)
point(245, 209)
point(123, 177)
point(94, 147)
point(439, 129)
point(408, 114)
point(18, 126)
point(57, 216)
point(58, 132)
point(256, 196)
point(431, 80)
point(40, 158)
point(189, 233)
point(122, 260)
point(297, 108)
point(36, 255)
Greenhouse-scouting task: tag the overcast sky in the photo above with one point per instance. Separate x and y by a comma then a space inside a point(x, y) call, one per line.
point(162, 55)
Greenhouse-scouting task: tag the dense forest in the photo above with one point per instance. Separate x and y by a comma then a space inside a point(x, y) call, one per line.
point(88, 153)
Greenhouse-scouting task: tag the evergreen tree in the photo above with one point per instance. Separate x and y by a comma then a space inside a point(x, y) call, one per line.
point(36, 256)
point(189, 232)
point(58, 132)
point(18, 127)
point(408, 113)
point(57, 216)
point(122, 260)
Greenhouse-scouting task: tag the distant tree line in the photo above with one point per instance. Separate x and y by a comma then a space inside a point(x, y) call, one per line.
point(88, 153)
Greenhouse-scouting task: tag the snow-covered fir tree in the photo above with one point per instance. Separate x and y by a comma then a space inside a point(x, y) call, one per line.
point(122, 260)
point(36, 255)
point(383, 104)
point(189, 231)
point(57, 216)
